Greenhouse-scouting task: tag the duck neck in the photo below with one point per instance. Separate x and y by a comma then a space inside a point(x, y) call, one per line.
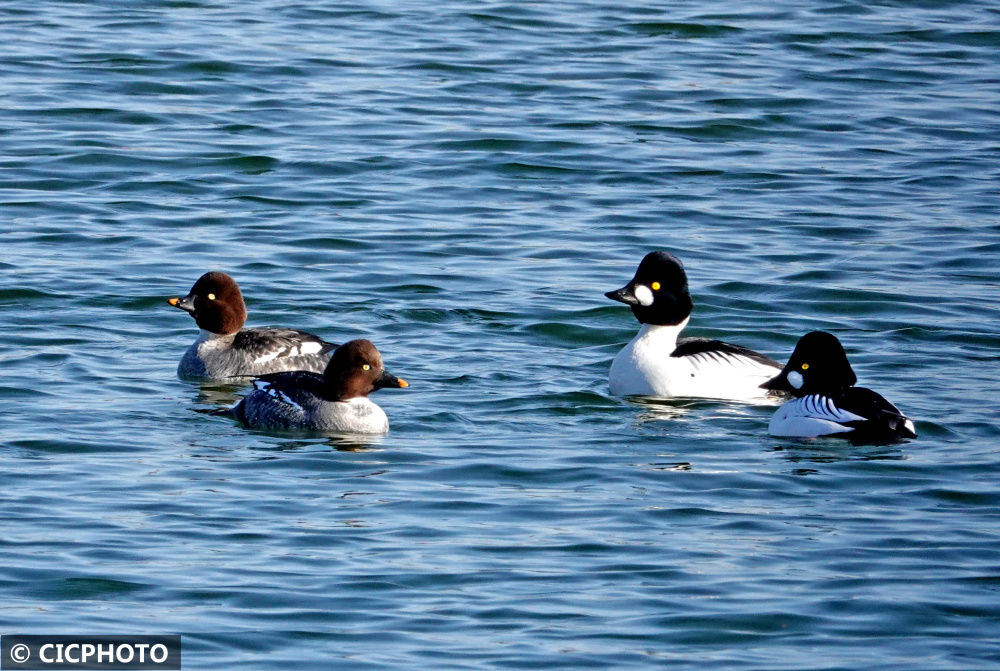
point(662, 335)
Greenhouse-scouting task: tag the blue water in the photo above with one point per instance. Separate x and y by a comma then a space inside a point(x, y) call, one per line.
point(461, 182)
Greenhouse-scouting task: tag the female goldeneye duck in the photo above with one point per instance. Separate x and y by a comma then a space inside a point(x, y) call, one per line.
point(225, 349)
point(656, 363)
point(334, 401)
point(827, 403)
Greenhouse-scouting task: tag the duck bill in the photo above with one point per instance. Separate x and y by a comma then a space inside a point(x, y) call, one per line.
point(778, 383)
point(186, 303)
point(624, 295)
point(387, 379)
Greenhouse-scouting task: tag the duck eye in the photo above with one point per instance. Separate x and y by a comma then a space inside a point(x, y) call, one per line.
point(366, 367)
point(655, 286)
point(211, 297)
point(805, 366)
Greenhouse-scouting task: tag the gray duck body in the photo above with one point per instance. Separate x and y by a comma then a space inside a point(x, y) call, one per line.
point(227, 350)
point(254, 352)
point(334, 401)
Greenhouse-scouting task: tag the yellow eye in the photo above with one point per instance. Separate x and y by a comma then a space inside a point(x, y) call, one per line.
point(211, 297)
point(655, 286)
point(805, 366)
point(366, 367)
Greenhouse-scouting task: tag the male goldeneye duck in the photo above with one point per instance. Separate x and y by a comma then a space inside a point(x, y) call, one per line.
point(656, 363)
point(334, 401)
point(225, 349)
point(828, 403)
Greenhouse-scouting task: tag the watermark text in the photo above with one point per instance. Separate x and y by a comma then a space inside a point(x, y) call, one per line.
point(90, 652)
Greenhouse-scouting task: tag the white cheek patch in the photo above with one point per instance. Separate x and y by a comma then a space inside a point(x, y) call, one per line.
point(795, 379)
point(643, 294)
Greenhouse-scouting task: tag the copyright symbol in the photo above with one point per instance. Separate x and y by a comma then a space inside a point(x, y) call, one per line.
point(20, 653)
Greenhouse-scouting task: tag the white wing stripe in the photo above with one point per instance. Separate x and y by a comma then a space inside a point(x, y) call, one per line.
point(699, 359)
point(811, 416)
point(269, 356)
point(819, 407)
point(282, 397)
point(310, 347)
point(276, 350)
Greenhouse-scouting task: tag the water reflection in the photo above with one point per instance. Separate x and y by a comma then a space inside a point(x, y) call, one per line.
point(222, 396)
point(832, 450)
point(667, 466)
point(219, 394)
point(673, 409)
point(663, 409)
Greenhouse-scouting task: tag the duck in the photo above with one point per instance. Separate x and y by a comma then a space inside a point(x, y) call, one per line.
point(826, 401)
point(334, 401)
point(225, 350)
point(657, 362)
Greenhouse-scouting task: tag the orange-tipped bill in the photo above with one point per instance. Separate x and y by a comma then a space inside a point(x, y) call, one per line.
point(186, 303)
point(387, 379)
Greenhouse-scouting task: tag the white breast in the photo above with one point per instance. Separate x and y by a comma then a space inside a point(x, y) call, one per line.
point(355, 415)
point(645, 367)
point(809, 417)
point(209, 342)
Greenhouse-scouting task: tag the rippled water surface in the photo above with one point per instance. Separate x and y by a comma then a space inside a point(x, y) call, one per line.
point(461, 182)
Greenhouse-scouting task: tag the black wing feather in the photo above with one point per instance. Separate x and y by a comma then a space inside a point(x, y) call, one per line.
point(691, 346)
point(291, 381)
point(291, 384)
point(884, 423)
point(267, 339)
